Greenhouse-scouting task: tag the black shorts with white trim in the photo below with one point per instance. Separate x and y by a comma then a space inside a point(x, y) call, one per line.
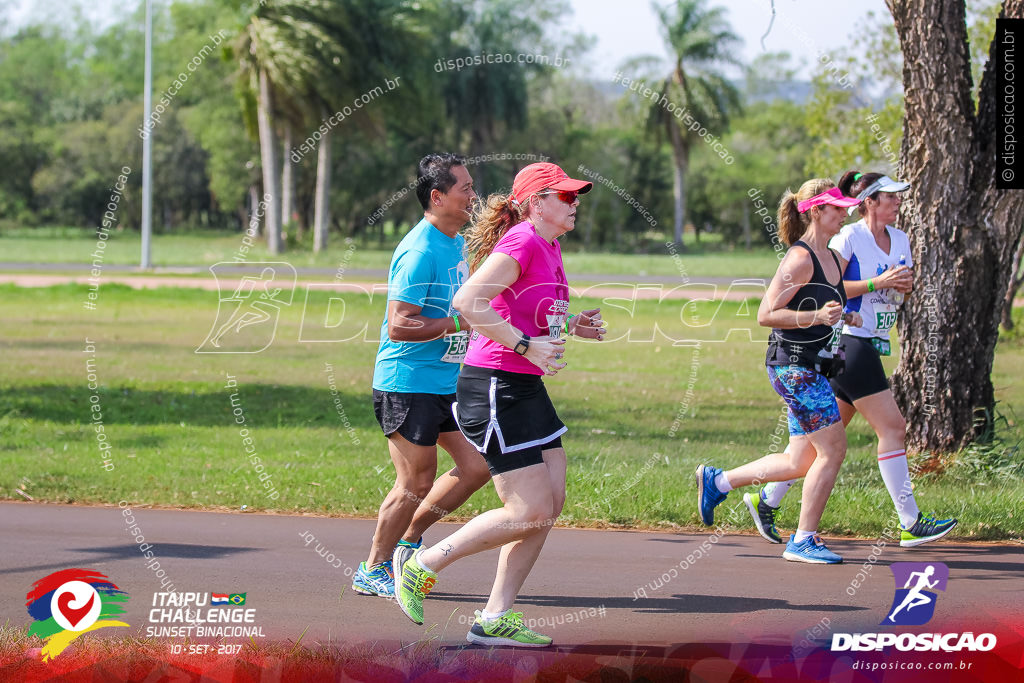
point(508, 416)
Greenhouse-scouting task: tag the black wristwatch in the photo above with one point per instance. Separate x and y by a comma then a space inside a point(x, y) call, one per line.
point(523, 346)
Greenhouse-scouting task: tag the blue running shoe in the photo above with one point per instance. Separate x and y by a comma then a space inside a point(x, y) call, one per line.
point(708, 495)
point(378, 580)
point(810, 550)
point(403, 551)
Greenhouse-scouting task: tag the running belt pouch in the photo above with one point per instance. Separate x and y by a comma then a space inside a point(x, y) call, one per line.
point(779, 353)
point(831, 367)
point(883, 346)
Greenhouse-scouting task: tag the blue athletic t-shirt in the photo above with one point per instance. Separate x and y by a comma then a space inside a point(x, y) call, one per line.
point(426, 270)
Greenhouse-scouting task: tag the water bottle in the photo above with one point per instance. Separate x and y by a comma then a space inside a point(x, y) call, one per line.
point(898, 297)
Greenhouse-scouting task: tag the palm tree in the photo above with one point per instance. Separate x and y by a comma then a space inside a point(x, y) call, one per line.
point(700, 40)
point(287, 59)
point(304, 61)
point(489, 100)
point(375, 43)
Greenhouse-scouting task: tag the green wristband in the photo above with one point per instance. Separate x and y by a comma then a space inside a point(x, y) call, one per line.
point(571, 316)
point(457, 327)
point(871, 285)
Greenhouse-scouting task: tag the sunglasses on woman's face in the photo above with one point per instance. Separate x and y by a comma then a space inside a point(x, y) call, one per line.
point(566, 196)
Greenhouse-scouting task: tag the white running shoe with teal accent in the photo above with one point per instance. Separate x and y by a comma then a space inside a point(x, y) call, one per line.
point(376, 580)
point(811, 550)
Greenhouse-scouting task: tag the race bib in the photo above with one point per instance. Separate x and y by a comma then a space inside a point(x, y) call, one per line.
point(458, 345)
point(556, 323)
point(882, 346)
point(837, 334)
point(885, 317)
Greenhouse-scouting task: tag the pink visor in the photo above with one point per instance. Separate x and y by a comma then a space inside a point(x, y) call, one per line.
point(832, 196)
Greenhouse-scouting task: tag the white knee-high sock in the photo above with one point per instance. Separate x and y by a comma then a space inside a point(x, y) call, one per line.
point(773, 492)
point(896, 475)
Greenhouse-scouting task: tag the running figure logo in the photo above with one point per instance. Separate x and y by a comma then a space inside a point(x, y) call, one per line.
point(247, 318)
point(914, 603)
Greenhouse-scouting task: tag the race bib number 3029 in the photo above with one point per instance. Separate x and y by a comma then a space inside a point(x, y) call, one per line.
point(885, 319)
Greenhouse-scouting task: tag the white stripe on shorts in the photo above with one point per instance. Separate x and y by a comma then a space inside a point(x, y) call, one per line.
point(494, 428)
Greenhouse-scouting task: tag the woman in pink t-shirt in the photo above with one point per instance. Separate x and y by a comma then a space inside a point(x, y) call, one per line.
point(517, 301)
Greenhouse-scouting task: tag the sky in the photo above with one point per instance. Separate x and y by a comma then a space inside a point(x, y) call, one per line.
point(805, 28)
point(628, 28)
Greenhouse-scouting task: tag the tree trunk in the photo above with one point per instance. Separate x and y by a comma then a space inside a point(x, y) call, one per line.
point(963, 231)
point(322, 206)
point(746, 228)
point(287, 180)
point(254, 202)
point(1016, 280)
point(680, 161)
point(268, 158)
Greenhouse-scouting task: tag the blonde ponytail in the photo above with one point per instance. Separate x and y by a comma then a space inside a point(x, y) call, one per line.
point(493, 217)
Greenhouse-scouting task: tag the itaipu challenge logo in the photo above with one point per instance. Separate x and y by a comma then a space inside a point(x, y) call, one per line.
point(71, 602)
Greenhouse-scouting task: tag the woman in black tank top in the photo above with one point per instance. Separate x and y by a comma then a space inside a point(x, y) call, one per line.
point(803, 306)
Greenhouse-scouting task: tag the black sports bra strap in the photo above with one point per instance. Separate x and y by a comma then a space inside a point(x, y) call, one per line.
point(814, 258)
point(817, 264)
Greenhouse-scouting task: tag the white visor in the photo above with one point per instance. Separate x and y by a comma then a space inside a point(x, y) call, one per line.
point(883, 184)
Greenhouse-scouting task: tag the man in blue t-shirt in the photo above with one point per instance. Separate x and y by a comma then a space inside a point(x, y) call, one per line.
point(423, 341)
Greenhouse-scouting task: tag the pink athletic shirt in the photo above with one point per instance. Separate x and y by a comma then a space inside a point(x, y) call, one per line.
point(537, 303)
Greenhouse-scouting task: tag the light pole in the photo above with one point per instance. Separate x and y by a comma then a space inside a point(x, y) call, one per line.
point(147, 157)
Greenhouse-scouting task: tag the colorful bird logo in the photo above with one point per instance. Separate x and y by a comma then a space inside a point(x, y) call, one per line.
point(71, 602)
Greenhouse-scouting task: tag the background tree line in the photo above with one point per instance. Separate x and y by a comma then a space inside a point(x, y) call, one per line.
point(71, 112)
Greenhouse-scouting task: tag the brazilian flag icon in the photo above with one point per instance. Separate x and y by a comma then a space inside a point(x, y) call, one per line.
point(237, 598)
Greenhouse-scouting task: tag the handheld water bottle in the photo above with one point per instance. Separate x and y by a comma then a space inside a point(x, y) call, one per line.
point(898, 297)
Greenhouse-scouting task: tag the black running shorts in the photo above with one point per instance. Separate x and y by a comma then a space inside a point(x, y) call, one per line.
point(419, 418)
point(864, 374)
point(508, 416)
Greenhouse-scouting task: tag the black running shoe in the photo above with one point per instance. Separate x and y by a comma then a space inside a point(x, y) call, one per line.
point(925, 529)
point(764, 518)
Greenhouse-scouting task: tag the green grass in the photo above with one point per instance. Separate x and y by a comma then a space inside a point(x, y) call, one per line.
point(73, 245)
point(168, 415)
point(103, 656)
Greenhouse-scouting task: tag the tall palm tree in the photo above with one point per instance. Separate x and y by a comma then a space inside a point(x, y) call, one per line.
point(288, 61)
point(304, 61)
point(375, 44)
point(700, 40)
point(488, 100)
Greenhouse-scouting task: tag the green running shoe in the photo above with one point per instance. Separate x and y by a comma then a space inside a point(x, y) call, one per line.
point(415, 584)
point(403, 551)
point(764, 517)
point(506, 630)
point(925, 529)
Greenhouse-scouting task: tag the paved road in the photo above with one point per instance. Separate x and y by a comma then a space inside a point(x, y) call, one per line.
point(740, 591)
